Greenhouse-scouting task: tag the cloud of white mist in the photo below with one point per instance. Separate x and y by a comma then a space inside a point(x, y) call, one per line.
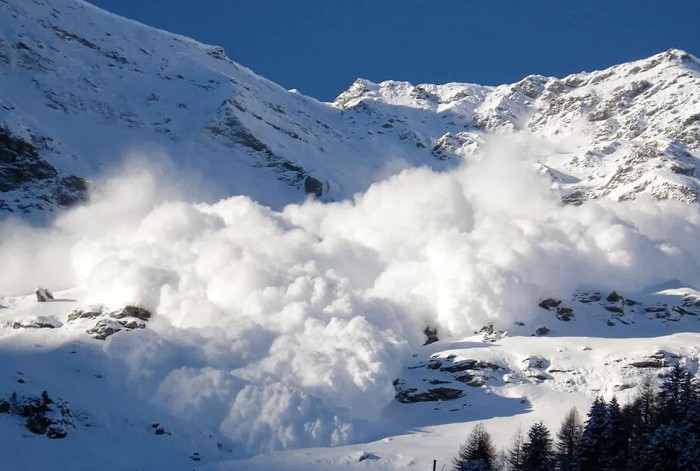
point(286, 329)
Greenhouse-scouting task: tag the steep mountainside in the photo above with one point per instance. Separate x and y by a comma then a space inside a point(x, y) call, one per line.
point(629, 130)
point(84, 88)
point(434, 280)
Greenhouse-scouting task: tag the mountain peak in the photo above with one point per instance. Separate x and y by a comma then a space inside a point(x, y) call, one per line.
point(125, 83)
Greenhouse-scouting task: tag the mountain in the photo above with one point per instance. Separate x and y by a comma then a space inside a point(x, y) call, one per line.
point(237, 276)
point(629, 130)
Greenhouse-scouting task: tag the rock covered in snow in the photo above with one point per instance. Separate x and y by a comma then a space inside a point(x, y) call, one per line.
point(109, 322)
point(37, 322)
point(43, 414)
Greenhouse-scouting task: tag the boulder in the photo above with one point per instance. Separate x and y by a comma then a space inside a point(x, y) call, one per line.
point(652, 363)
point(43, 295)
point(87, 313)
point(37, 322)
point(565, 313)
point(409, 396)
point(104, 328)
point(131, 311)
point(549, 303)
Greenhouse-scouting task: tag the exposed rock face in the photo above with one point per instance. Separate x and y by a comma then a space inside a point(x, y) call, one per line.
point(625, 113)
point(23, 171)
point(451, 379)
point(437, 394)
point(110, 322)
point(616, 308)
point(44, 415)
point(313, 186)
point(20, 163)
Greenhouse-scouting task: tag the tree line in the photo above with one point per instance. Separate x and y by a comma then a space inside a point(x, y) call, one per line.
point(659, 430)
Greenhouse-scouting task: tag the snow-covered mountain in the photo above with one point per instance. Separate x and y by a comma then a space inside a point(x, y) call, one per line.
point(471, 253)
point(83, 88)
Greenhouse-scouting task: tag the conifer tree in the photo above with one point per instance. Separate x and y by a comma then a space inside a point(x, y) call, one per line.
point(477, 453)
point(567, 440)
point(676, 394)
point(616, 438)
point(673, 442)
point(647, 405)
point(538, 454)
point(591, 447)
point(514, 455)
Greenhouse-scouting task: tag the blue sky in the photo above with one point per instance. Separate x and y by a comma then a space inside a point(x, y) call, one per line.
point(321, 46)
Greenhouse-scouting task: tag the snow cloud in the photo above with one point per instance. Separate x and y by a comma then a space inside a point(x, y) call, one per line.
point(286, 329)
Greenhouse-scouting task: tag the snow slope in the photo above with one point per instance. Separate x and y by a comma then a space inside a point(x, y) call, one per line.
point(521, 380)
point(251, 333)
point(86, 89)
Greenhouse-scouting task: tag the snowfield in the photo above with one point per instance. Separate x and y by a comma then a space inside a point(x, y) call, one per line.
point(242, 277)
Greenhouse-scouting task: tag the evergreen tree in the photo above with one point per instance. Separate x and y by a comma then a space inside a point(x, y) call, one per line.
point(673, 441)
point(676, 394)
point(567, 440)
point(670, 449)
point(538, 454)
point(647, 405)
point(477, 453)
point(615, 438)
point(591, 447)
point(643, 417)
point(514, 456)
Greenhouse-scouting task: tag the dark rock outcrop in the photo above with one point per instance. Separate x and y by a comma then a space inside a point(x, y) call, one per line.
point(313, 186)
point(43, 295)
point(430, 335)
point(44, 415)
point(411, 395)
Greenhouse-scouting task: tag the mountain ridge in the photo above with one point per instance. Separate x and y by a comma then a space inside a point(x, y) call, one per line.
point(126, 83)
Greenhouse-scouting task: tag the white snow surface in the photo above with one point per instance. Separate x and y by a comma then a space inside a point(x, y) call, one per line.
point(282, 328)
point(89, 89)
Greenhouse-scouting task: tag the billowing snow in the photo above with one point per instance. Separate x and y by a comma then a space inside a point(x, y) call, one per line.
point(286, 329)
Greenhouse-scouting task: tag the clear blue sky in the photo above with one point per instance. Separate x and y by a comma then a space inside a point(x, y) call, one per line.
point(321, 46)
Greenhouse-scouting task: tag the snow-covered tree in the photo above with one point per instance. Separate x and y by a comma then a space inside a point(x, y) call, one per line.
point(616, 438)
point(591, 447)
point(676, 394)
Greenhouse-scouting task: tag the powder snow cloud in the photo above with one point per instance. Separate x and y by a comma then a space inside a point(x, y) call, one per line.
point(286, 328)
